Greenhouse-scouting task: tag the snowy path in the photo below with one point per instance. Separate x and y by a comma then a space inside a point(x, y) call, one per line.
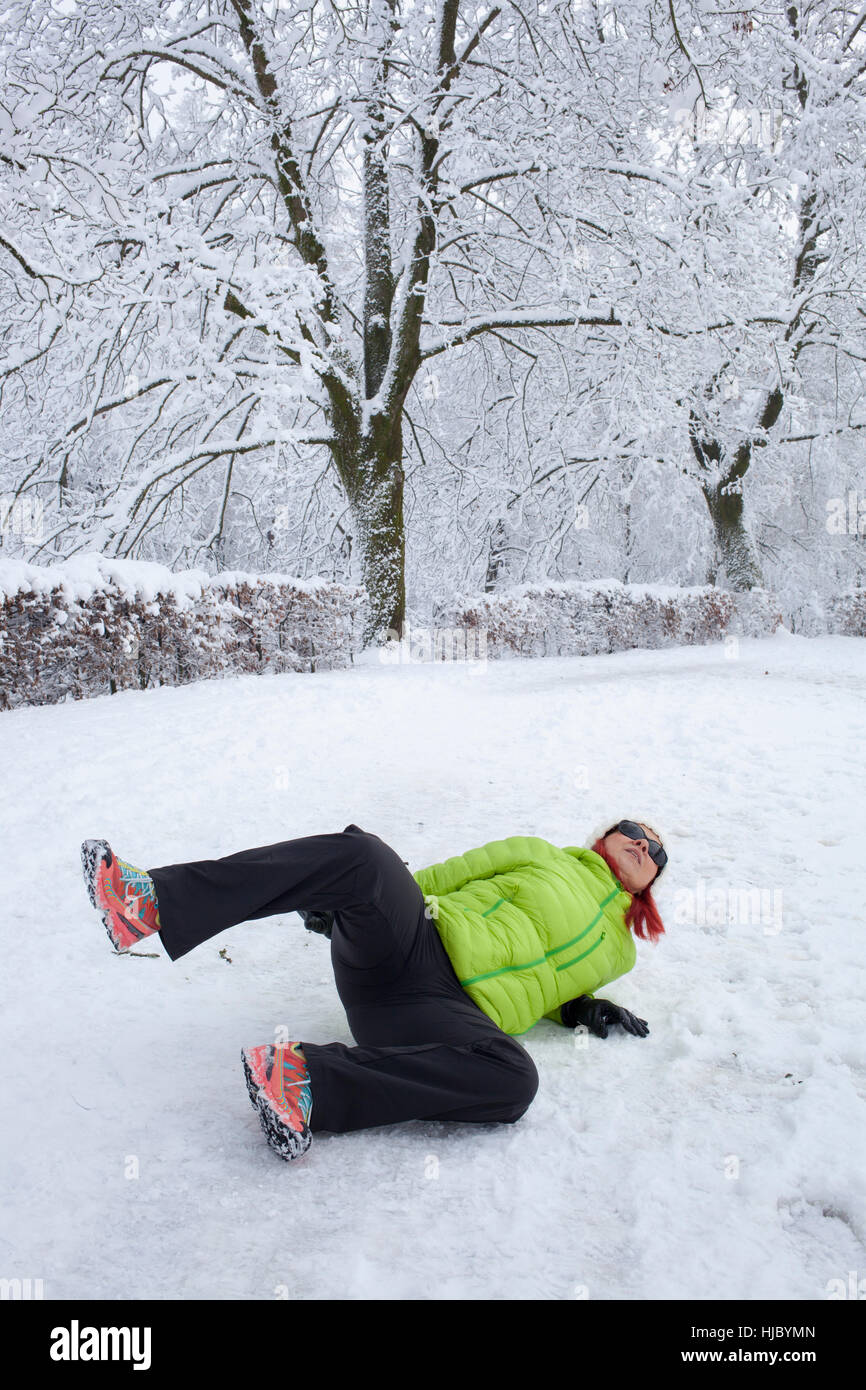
point(721, 1157)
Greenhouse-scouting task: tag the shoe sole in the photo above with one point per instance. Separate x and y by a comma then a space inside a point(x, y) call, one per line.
point(287, 1142)
point(284, 1140)
point(252, 1085)
point(94, 853)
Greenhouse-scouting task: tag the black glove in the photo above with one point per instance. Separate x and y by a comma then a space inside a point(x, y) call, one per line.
point(596, 1014)
point(321, 922)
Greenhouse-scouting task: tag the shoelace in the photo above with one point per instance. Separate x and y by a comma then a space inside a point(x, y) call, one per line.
point(132, 909)
point(138, 888)
point(305, 1099)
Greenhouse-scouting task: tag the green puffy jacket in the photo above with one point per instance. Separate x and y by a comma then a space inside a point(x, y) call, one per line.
point(528, 926)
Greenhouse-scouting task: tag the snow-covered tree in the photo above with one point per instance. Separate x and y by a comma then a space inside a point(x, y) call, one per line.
point(256, 251)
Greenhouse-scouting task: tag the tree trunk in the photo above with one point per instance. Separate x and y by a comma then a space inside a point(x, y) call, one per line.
point(374, 480)
point(495, 556)
point(722, 489)
point(737, 551)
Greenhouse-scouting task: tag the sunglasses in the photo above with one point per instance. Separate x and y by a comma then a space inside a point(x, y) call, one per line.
point(634, 832)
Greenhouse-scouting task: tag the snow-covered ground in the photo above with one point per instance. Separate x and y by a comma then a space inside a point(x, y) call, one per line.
point(720, 1157)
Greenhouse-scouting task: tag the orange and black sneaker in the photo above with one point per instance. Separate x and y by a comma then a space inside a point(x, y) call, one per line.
point(125, 896)
point(279, 1085)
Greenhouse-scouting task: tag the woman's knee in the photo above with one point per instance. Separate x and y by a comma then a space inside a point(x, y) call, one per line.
point(519, 1085)
point(381, 866)
point(525, 1084)
point(367, 848)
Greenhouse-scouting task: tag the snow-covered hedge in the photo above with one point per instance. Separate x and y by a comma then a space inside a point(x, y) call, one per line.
point(95, 625)
point(846, 613)
point(582, 618)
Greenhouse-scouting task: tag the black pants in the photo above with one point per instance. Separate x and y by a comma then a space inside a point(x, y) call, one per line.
point(425, 1050)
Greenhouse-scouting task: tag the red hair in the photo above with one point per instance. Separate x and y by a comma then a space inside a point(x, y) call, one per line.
point(642, 916)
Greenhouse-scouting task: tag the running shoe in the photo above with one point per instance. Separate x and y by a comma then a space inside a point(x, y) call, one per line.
point(125, 895)
point(279, 1087)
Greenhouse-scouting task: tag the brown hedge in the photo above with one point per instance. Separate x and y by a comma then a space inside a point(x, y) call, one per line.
point(54, 646)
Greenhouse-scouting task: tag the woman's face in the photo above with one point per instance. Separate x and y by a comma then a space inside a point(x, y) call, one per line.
point(633, 865)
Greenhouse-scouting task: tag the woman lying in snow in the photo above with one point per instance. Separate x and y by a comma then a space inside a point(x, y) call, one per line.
point(439, 971)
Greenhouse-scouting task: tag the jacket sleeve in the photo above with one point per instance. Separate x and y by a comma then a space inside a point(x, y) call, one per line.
point(557, 1014)
point(497, 857)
